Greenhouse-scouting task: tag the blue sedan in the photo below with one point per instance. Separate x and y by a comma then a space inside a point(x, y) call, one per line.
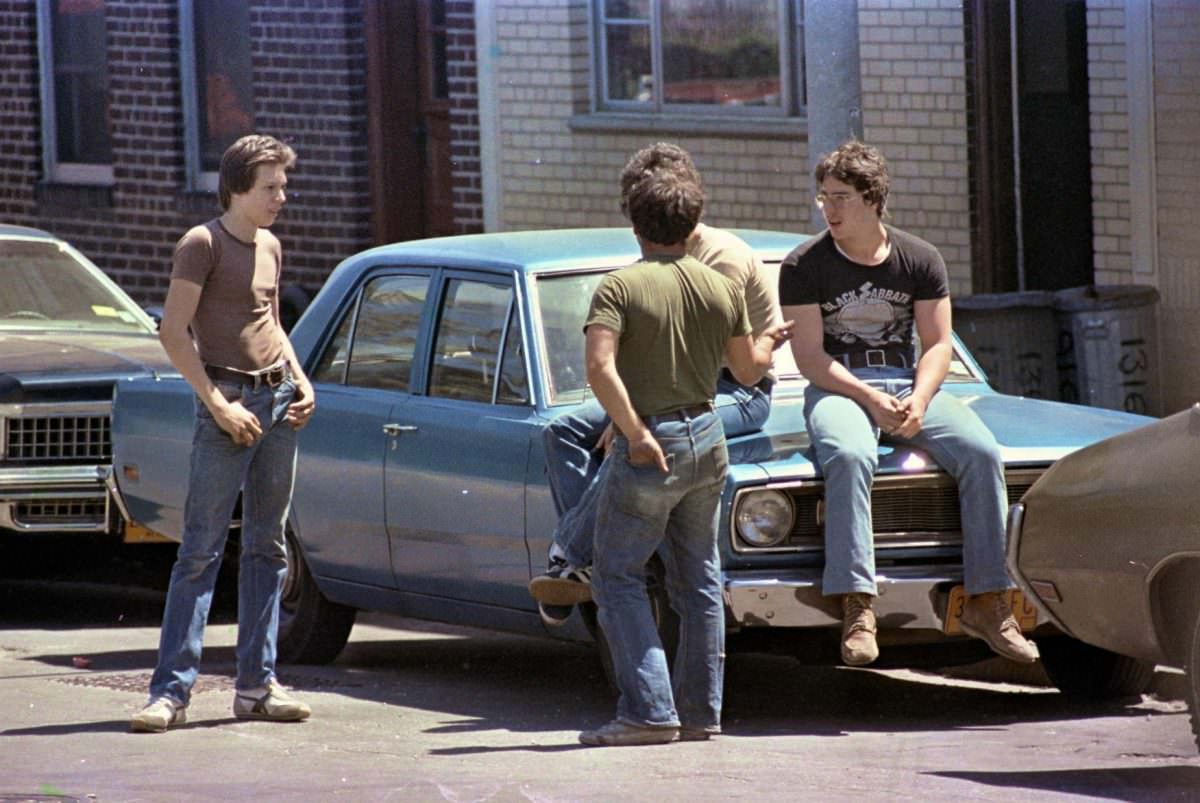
point(422, 490)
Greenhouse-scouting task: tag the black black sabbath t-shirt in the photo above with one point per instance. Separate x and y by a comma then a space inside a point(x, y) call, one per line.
point(865, 306)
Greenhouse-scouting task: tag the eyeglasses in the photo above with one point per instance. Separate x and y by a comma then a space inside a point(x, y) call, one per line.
point(837, 200)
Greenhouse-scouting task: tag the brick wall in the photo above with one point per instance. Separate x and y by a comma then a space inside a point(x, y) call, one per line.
point(309, 71)
point(554, 175)
point(464, 116)
point(557, 176)
point(915, 110)
point(1109, 123)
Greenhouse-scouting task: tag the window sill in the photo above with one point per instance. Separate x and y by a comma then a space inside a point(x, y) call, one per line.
point(53, 195)
point(789, 128)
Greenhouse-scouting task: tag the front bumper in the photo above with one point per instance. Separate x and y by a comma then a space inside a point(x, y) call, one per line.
point(56, 499)
point(909, 598)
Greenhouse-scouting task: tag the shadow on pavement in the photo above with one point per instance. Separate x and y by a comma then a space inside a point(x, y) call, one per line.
point(1113, 783)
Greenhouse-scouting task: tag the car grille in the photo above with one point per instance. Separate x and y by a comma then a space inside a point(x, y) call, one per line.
point(57, 438)
point(907, 511)
point(72, 513)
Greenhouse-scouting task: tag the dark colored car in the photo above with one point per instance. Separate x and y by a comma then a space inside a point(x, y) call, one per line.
point(421, 485)
point(1107, 545)
point(67, 335)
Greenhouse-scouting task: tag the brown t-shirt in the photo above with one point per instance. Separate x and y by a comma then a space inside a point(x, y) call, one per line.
point(235, 324)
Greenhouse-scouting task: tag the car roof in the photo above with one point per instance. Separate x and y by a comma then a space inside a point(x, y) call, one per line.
point(547, 250)
point(12, 230)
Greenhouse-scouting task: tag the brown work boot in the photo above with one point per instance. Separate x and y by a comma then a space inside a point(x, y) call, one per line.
point(988, 617)
point(858, 630)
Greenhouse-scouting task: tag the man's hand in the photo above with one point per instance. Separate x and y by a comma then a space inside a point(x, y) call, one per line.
point(644, 450)
point(239, 423)
point(887, 411)
point(302, 406)
point(913, 408)
point(780, 333)
point(606, 438)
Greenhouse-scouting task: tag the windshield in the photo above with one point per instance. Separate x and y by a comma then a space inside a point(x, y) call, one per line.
point(47, 286)
point(564, 301)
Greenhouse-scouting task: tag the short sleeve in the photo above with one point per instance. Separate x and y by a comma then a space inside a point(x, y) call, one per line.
point(193, 260)
point(608, 304)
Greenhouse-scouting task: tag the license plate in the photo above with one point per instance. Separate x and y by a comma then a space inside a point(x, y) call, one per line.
point(137, 534)
point(1023, 611)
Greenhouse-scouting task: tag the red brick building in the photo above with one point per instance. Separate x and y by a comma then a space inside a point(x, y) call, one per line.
point(114, 112)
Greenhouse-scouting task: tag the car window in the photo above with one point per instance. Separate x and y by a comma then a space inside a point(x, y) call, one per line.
point(46, 285)
point(514, 381)
point(563, 302)
point(467, 345)
point(381, 352)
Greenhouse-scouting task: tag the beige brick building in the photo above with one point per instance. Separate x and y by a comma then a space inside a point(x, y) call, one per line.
point(551, 147)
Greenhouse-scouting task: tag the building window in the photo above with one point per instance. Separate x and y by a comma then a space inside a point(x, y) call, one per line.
point(218, 87)
point(699, 56)
point(76, 130)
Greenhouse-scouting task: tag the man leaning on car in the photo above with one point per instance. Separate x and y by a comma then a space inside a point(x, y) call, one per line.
point(855, 291)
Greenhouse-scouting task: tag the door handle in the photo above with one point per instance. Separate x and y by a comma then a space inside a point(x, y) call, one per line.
point(396, 429)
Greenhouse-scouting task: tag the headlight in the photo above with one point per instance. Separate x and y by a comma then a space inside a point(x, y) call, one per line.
point(764, 518)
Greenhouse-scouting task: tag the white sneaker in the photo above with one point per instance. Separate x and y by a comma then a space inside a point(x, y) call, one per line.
point(158, 715)
point(271, 702)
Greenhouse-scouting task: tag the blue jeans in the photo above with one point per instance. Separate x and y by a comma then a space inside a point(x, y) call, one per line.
point(846, 441)
point(641, 509)
point(265, 473)
point(573, 466)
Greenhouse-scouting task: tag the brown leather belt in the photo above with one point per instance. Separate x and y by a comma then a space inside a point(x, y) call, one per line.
point(679, 415)
point(272, 377)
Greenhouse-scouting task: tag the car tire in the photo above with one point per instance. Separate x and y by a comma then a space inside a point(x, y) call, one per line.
point(666, 621)
point(1088, 672)
point(312, 630)
point(1193, 681)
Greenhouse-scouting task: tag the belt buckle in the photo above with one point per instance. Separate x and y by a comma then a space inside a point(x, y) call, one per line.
point(882, 358)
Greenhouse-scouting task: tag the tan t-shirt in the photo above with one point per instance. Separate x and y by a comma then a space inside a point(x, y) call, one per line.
point(674, 318)
point(235, 324)
point(735, 260)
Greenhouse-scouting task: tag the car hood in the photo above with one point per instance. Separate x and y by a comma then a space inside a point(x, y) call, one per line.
point(1030, 432)
point(30, 363)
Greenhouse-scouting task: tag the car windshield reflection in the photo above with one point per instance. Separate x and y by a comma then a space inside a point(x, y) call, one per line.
point(46, 286)
point(563, 301)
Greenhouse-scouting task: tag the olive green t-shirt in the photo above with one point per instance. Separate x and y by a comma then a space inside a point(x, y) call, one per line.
point(673, 317)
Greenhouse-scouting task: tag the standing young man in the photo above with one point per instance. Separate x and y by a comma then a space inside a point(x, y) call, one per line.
point(577, 441)
point(855, 292)
point(667, 316)
point(251, 397)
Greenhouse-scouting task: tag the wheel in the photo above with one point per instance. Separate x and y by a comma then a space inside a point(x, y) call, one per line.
point(312, 630)
point(1082, 670)
point(1193, 681)
point(666, 621)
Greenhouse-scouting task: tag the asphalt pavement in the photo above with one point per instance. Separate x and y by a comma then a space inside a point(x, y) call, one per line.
point(414, 712)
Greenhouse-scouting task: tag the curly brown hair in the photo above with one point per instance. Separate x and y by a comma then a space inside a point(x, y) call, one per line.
point(861, 166)
point(659, 156)
point(664, 206)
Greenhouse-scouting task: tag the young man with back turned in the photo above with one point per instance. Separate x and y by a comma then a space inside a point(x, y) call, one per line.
point(665, 316)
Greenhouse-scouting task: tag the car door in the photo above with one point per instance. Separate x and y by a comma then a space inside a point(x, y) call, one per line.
point(363, 377)
point(458, 455)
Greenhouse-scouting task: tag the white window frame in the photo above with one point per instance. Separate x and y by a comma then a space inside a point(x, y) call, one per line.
point(82, 173)
point(791, 70)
